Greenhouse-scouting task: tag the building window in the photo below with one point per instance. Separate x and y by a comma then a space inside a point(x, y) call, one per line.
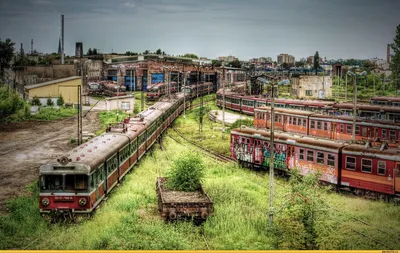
point(320, 157)
point(381, 167)
point(326, 126)
point(392, 135)
point(357, 130)
point(348, 129)
point(341, 128)
point(125, 105)
point(383, 133)
point(301, 156)
point(366, 165)
point(331, 160)
point(308, 92)
point(350, 163)
point(310, 156)
point(312, 124)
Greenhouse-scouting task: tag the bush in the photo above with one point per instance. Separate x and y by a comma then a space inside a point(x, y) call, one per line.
point(50, 102)
point(242, 122)
point(36, 101)
point(72, 140)
point(10, 102)
point(187, 172)
point(60, 100)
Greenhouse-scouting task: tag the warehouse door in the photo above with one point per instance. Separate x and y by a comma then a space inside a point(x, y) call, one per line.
point(69, 93)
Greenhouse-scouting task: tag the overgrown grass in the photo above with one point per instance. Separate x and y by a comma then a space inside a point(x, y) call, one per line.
point(110, 117)
point(129, 219)
point(51, 113)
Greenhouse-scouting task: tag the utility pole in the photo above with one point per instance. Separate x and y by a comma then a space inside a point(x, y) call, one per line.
point(272, 159)
point(353, 135)
point(346, 89)
point(223, 102)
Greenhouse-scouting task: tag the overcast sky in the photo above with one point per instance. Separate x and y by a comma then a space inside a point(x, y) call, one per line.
point(210, 28)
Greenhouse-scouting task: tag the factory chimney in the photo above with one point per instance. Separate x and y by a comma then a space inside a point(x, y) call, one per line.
point(62, 39)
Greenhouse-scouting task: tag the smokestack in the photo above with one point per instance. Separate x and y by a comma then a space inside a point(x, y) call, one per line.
point(62, 39)
point(31, 46)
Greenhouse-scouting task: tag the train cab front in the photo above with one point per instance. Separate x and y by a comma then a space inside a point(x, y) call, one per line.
point(64, 189)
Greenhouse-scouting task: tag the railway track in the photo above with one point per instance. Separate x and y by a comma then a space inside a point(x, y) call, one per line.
point(217, 155)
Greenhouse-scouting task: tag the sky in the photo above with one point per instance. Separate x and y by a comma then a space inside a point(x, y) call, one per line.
point(209, 28)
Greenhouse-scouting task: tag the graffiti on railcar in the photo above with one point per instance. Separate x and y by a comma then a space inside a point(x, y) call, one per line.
point(280, 157)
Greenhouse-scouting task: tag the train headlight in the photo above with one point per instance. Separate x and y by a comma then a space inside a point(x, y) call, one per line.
point(45, 201)
point(82, 202)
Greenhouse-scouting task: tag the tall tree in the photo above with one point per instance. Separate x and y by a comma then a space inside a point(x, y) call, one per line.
point(90, 51)
point(6, 54)
point(159, 51)
point(316, 62)
point(395, 60)
point(146, 52)
point(216, 63)
point(94, 51)
point(191, 56)
point(235, 64)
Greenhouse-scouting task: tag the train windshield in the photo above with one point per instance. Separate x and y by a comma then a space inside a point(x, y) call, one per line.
point(64, 183)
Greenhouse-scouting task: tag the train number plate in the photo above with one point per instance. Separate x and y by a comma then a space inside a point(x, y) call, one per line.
point(64, 199)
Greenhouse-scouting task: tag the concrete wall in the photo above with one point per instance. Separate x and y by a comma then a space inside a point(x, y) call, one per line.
point(314, 85)
point(125, 103)
point(67, 89)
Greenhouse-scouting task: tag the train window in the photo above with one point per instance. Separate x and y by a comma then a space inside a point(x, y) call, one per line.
point(312, 124)
point(304, 123)
point(392, 135)
point(348, 129)
point(319, 125)
point(381, 167)
point(384, 134)
point(366, 165)
point(294, 121)
point(320, 158)
point(301, 154)
point(350, 163)
point(398, 170)
point(310, 155)
point(92, 181)
point(364, 131)
point(341, 128)
point(326, 126)
point(357, 130)
point(290, 120)
point(101, 173)
point(51, 182)
point(331, 160)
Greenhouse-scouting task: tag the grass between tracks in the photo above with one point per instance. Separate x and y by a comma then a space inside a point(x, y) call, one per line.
point(129, 218)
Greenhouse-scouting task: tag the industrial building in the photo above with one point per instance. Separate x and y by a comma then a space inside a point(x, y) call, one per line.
point(67, 87)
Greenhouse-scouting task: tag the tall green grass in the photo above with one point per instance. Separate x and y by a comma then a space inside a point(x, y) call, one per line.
point(129, 219)
point(50, 113)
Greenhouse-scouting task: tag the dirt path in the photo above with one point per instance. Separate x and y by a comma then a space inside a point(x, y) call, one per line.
point(27, 145)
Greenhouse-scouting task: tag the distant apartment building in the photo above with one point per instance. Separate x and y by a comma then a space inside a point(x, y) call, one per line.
point(79, 49)
point(227, 58)
point(310, 60)
point(285, 58)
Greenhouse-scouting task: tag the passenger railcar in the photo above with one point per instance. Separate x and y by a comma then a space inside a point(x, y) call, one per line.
point(386, 101)
point(361, 168)
point(112, 89)
point(247, 104)
point(78, 181)
point(328, 126)
point(200, 89)
point(159, 89)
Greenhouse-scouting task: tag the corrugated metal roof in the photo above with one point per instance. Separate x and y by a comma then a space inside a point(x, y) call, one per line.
point(32, 86)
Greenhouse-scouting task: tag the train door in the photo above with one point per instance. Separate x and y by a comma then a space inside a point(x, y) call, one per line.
point(333, 131)
point(291, 156)
point(397, 179)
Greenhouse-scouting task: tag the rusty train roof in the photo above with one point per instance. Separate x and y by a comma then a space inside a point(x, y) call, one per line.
point(393, 99)
point(367, 107)
point(322, 144)
point(333, 118)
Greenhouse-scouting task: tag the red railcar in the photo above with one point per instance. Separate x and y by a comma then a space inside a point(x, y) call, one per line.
point(328, 126)
point(159, 89)
point(361, 168)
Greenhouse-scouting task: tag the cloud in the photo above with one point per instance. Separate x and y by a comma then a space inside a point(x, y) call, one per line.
point(129, 5)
